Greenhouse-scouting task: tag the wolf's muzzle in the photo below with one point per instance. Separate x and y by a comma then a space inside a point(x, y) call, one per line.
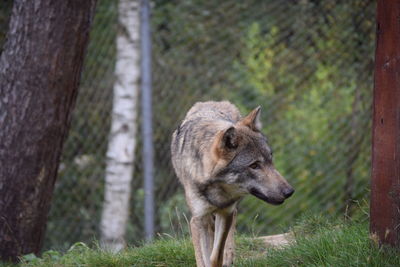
point(255, 192)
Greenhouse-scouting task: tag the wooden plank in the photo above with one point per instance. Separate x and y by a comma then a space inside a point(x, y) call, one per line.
point(385, 180)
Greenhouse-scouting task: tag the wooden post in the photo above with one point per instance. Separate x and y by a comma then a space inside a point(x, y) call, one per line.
point(385, 184)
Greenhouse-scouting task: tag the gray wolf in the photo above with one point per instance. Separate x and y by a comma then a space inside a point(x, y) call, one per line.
point(219, 157)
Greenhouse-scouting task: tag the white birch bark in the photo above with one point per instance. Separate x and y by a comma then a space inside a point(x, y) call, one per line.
point(122, 139)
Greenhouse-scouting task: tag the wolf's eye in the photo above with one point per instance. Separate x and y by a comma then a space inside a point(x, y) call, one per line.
point(255, 165)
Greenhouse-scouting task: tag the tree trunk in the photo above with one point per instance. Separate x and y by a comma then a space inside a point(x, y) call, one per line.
point(40, 69)
point(122, 141)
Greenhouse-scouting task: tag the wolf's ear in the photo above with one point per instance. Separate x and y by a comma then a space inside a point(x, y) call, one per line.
point(253, 120)
point(226, 142)
point(229, 139)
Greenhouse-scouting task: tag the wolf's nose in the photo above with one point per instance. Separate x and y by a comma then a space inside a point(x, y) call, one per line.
point(287, 192)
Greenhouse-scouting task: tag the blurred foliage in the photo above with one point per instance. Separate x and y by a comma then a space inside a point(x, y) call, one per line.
point(308, 63)
point(320, 124)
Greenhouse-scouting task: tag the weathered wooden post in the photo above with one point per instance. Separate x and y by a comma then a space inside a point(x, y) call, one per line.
point(385, 184)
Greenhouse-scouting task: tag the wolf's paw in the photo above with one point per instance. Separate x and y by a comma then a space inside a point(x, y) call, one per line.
point(229, 255)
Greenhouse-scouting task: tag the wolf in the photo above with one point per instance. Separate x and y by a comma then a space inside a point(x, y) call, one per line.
point(220, 157)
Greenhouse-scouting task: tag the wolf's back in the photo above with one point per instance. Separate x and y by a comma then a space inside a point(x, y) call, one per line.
point(212, 110)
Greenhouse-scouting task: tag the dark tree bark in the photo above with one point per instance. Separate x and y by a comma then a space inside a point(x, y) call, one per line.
point(40, 69)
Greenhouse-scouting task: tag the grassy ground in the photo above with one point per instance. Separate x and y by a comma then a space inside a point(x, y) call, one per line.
point(319, 242)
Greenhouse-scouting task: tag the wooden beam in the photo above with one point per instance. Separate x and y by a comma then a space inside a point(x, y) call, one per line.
point(385, 181)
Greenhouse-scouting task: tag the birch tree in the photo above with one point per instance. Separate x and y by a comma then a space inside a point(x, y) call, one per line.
point(122, 140)
point(40, 69)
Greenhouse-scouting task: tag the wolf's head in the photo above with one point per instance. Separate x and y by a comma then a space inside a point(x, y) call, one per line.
point(244, 162)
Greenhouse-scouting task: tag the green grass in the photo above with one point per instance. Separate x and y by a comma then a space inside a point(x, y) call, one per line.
point(319, 242)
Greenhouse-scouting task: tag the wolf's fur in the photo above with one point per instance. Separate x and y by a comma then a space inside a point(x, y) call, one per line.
point(219, 158)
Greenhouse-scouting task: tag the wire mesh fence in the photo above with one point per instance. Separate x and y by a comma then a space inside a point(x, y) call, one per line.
point(307, 63)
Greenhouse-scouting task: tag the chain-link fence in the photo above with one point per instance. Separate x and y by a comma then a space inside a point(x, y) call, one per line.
point(308, 63)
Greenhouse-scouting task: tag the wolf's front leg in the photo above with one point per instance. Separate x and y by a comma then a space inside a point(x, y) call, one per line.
point(229, 251)
point(202, 228)
point(223, 222)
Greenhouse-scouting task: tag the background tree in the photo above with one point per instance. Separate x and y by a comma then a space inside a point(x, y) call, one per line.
point(40, 69)
point(122, 139)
